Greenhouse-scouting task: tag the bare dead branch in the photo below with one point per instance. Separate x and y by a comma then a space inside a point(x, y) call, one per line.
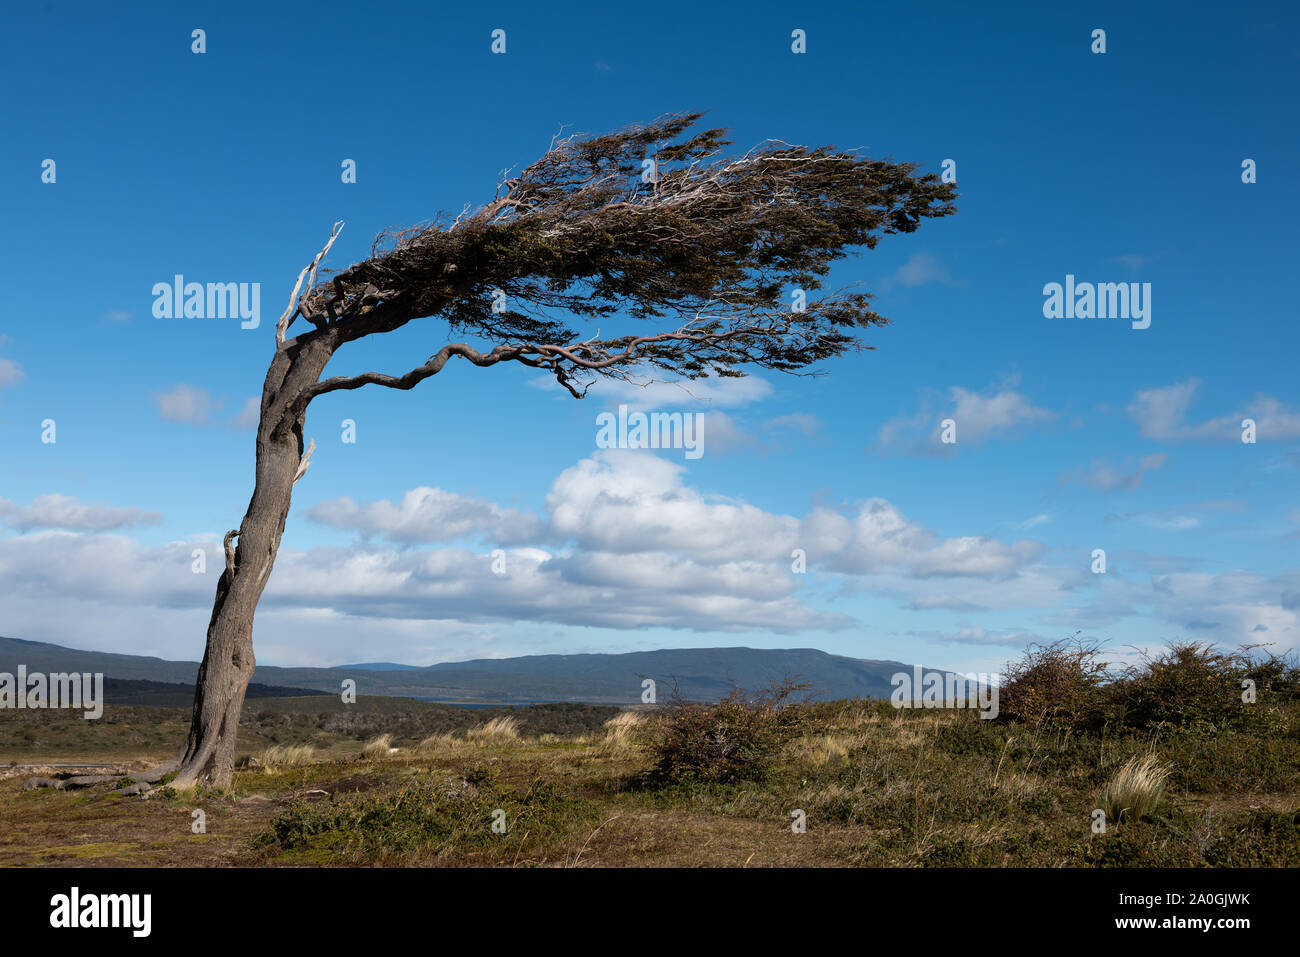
point(228, 546)
point(295, 307)
point(306, 461)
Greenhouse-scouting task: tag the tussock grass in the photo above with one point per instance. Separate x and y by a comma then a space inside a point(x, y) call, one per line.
point(502, 730)
point(621, 731)
point(280, 756)
point(1136, 789)
point(447, 741)
point(380, 747)
point(824, 749)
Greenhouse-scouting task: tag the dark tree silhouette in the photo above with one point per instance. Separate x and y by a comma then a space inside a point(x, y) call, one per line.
point(703, 245)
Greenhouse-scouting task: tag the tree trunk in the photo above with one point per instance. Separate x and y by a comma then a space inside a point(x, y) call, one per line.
point(209, 753)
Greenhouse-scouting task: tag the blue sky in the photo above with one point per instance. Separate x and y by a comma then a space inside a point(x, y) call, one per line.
point(1072, 434)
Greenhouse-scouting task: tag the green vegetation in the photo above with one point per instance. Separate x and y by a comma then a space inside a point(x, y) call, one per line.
point(431, 816)
point(737, 739)
point(1187, 772)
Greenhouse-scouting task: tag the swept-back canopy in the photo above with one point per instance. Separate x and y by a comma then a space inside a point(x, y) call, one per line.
point(648, 222)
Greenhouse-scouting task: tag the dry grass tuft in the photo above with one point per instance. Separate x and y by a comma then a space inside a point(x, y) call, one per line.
point(824, 749)
point(502, 730)
point(380, 747)
point(1136, 789)
point(621, 730)
point(280, 756)
point(447, 741)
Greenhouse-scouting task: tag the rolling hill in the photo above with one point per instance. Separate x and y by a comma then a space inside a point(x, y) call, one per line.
point(702, 674)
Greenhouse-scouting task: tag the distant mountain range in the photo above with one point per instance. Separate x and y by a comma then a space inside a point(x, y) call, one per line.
point(699, 674)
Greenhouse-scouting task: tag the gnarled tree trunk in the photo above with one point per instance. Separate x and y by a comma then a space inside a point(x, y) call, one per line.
point(711, 241)
point(209, 753)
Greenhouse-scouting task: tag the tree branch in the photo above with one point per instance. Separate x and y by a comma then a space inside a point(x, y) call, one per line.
point(228, 546)
point(295, 306)
point(721, 340)
point(304, 462)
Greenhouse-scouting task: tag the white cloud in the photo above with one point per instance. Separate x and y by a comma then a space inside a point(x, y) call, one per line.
point(922, 268)
point(66, 512)
point(247, 418)
point(427, 515)
point(978, 417)
point(627, 502)
point(623, 544)
point(630, 546)
point(1107, 478)
point(1178, 518)
point(1161, 413)
point(974, 635)
point(186, 403)
point(11, 373)
point(716, 391)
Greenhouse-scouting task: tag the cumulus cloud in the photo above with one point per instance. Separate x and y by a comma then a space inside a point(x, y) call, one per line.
point(427, 515)
point(623, 502)
point(66, 512)
point(1162, 413)
point(186, 403)
point(629, 502)
point(622, 543)
point(372, 582)
point(978, 417)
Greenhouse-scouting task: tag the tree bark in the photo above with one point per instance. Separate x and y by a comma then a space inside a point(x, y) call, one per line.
point(209, 754)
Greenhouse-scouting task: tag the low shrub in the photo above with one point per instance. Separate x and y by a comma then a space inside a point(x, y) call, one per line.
point(433, 817)
point(736, 739)
point(1061, 684)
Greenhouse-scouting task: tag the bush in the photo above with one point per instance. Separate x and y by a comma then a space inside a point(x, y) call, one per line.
point(1191, 685)
point(733, 740)
point(431, 818)
point(1276, 678)
point(1060, 684)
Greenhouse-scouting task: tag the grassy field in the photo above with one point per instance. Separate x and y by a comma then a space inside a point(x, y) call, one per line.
point(583, 786)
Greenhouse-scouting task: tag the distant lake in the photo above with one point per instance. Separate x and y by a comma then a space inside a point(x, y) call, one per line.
point(479, 705)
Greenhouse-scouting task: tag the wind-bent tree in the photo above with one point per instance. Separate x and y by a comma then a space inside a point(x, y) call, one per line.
point(709, 245)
